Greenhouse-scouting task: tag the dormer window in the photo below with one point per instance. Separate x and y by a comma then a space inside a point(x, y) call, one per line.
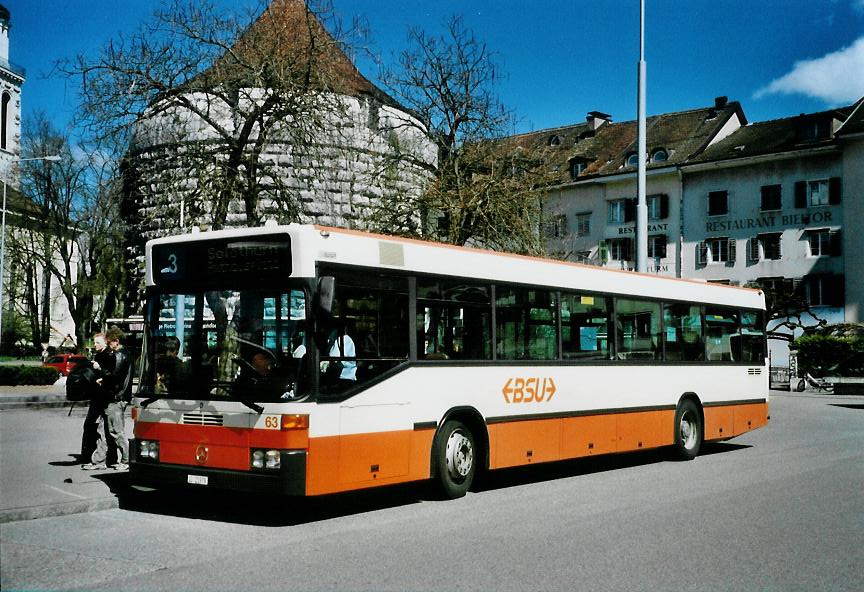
point(632, 160)
point(814, 128)
point(659, 155)
point(554, 141)
point(577, 167)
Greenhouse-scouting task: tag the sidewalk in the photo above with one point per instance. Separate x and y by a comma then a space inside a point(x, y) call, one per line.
point(40, 474)
point(32, 396)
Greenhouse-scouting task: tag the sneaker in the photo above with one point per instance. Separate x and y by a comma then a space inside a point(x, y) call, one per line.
point(94, 467)
point(121, 466)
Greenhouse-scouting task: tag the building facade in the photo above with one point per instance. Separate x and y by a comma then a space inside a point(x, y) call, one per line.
point(774, 204)
point(31, 293)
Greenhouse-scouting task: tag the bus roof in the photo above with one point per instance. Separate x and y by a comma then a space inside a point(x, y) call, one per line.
point(324, 244)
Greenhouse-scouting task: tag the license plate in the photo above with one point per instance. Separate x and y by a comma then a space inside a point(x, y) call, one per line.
point(196, 479)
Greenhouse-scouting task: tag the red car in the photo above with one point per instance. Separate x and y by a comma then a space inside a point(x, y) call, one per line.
point(64, 363)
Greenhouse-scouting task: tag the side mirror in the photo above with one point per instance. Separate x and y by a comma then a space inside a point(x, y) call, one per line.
point(326, 289)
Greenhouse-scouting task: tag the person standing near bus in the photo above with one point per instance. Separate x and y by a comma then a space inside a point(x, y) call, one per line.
point(117, 383)
point(103, 360)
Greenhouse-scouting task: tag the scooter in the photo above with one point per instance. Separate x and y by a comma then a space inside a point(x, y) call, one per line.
point(818, 384)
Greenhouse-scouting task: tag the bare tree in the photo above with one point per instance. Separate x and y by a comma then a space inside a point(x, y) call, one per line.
point(78, 241)
point(787, 304)
point(210, 95)
point(485, 190)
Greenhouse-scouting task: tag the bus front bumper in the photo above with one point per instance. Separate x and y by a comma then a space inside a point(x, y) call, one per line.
point(289, 479)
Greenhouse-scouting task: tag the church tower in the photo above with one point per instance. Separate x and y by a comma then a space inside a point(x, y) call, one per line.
point(11, 79)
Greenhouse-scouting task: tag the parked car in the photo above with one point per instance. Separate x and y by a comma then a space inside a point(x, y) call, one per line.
point(64, 363)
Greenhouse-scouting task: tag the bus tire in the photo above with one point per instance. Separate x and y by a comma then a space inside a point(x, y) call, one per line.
point(456, 459)
point(688, 430)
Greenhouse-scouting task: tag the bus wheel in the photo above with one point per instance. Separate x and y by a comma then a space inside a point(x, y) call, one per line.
point(688, 430)
point(456, 459)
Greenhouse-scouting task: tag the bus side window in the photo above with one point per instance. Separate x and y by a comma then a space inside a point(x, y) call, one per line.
point(752, 337)
point(585, 327)
point(638, 329)
point(372, 310)
point(721, 330)
point(526, 324)
point(454, 320)
point(682, 334)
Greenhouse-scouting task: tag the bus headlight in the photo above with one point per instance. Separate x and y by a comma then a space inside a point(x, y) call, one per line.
point(148, 449)
point(266, 459)
point(272, 459)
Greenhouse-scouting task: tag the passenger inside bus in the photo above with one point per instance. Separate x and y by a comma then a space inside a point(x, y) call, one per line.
point(171, 372)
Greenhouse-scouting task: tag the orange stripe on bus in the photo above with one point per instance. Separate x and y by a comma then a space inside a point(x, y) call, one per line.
point(725, 422)
point(526, 442)
point(358, 461)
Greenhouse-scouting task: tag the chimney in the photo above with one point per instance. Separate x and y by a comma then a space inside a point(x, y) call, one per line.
point(720, 102)
point(596, 119)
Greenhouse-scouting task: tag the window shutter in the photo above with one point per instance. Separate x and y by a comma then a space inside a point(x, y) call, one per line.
point(834, 190)
point(753, 248)
point(701, 253)
point(629, 209)
point(732, 243)
point(661, 246)
point(836, 240)
point(835, 288)
point(628, 249)
point(664, 207)
point(766, 197)
point(797, 286)
point(800, 194)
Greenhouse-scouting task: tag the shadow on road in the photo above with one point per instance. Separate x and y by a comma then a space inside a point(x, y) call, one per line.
point(259, 510)
point(273, 511)
point(76, 459)
point(847, 405)
point(587, 466)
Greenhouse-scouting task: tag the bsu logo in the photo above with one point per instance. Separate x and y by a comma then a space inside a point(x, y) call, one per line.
point(529, 390)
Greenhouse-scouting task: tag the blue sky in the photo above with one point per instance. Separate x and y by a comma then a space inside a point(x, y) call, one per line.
point(562, 58)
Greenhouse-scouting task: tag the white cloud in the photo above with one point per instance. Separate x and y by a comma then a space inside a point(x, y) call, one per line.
point(836, 78)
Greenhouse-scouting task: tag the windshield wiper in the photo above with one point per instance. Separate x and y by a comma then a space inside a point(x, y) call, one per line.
point(254, 407)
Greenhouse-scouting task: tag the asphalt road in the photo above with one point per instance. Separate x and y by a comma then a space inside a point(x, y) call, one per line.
point(778, 509)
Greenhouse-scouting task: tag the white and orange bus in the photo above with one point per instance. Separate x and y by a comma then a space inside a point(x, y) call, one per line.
point(308, 360)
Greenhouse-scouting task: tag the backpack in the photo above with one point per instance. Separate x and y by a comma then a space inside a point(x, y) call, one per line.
point(81, 383)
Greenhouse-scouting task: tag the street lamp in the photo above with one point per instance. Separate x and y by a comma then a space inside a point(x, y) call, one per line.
point(53, 158)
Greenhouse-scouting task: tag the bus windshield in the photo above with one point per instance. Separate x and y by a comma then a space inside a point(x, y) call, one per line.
point(246, 345)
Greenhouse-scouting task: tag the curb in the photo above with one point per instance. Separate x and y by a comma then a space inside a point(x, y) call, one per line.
point(34, 403)
point(62, 509)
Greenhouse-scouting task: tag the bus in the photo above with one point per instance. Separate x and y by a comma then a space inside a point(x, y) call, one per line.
point(307, 360)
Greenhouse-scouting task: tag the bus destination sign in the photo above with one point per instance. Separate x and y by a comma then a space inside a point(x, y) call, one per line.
point(222, 262)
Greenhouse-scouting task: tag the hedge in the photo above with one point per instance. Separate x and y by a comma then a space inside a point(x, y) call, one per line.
point(17, 375)
point(817, 354)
